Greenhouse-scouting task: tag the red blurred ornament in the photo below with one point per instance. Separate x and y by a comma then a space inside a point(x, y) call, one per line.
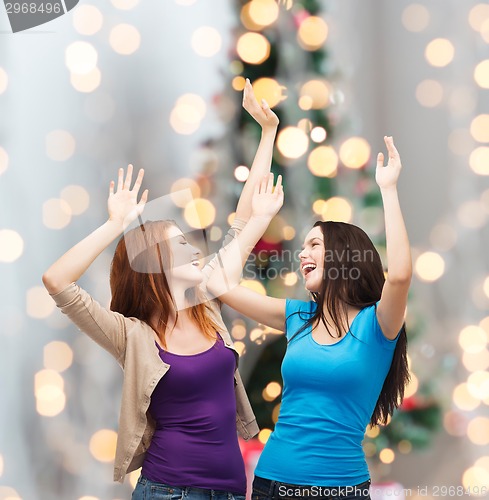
point(409, 404)
point(299, 17)
point(267, 246)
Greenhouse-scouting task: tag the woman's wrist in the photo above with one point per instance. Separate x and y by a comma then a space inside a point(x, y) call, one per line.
point(389, 189)
point(269, 130)
point(260, 219)
point(115, 226)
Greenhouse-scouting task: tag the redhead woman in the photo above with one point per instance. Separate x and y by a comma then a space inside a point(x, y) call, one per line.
point(183, 402)
point(346, 364)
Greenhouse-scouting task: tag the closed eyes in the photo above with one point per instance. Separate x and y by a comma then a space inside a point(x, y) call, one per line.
point(312, 243)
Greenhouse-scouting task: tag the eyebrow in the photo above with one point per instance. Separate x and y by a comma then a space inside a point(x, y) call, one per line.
point(311, 240)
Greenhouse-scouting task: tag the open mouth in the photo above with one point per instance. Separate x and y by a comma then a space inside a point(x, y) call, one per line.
point(307, 268)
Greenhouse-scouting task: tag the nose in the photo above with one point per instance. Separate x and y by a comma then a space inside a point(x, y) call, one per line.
point(195, 251)
point(302, 254)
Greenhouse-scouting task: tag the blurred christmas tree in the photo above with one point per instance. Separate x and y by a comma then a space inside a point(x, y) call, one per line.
point(280, 47)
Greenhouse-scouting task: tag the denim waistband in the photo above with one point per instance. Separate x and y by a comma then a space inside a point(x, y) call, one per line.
point(186, 490)
point(279, 490)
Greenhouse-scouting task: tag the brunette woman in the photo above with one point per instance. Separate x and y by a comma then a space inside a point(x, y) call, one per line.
point(345, 366)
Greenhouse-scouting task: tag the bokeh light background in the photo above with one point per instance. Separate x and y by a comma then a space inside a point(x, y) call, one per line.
point(135, 81)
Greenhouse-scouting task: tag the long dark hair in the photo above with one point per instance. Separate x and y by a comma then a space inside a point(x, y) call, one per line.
point(139, 283)
point(353, 276)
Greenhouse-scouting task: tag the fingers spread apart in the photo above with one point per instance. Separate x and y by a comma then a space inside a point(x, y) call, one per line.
point(126, 184)
point(266, 185)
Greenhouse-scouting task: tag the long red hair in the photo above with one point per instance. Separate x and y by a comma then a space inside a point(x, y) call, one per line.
point(139, 283)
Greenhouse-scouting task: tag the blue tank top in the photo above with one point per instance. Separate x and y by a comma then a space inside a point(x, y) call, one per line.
point(329, 395)
point(194, 405)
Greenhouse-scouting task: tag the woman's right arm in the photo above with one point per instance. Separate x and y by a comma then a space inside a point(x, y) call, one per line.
point(123, 209)
point(72, 265)
point(105, 327)
point(225, 277)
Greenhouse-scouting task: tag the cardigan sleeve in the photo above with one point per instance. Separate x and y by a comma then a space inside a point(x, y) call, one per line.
point(105, 327)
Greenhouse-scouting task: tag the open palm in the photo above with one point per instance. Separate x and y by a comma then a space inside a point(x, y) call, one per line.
point(267, 200)
point(262, 114)
point(122, 204)
point(386, 176)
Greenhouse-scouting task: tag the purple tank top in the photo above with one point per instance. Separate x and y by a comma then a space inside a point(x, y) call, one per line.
point(194, 406)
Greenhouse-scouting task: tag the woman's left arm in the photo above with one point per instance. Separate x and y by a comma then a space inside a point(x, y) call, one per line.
point(260, 168)
point(392, 307)
point(268, 121)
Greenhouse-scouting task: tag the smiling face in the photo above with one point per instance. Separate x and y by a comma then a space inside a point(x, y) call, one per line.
point(312, 259)
point(185, 267)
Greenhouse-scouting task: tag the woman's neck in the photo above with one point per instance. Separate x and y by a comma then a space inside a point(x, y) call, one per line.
point(180, 316)
point(181, 300)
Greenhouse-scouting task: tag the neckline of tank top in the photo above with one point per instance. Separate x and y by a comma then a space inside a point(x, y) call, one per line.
point(219, 338)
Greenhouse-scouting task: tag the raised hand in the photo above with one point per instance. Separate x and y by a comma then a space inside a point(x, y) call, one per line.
point(267, 200)
point(262, 114)
point(387, 176)
point(122, 204)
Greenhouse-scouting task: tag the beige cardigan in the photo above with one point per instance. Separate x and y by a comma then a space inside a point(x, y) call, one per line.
point(132, 344)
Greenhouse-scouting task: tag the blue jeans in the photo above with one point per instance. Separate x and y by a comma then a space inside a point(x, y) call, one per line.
point(266, 489)
point(149, 490)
